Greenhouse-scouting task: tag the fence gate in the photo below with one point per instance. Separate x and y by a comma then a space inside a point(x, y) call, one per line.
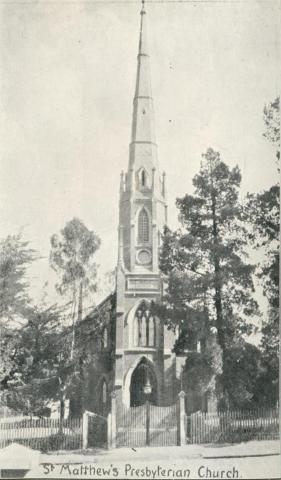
point(147, 425)
point(95, 430)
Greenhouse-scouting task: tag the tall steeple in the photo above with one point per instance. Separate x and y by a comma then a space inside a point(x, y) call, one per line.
point(143, 121)
point(142, 216)
point(143, 149)
point(142, 191)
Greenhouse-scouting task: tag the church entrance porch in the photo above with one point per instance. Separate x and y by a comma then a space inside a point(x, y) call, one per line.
point(143, 386)
point(143, 422)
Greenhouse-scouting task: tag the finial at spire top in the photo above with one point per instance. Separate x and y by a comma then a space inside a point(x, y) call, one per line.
point(143, 7)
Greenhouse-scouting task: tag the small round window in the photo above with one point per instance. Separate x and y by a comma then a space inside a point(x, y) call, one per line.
point(144, 257)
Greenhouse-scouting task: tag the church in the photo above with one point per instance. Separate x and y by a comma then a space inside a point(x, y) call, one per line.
point(143, 350)
point(133, 358)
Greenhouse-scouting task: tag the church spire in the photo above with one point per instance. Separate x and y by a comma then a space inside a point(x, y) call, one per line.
point(143, 133)
point(143, 50)
point(142, 210)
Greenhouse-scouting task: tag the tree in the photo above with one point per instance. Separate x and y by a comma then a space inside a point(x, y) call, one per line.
point(29, 341)
point(43, 371)
point(262, 210)
point(271, 117)
point(15, 258)
point(30, 384)
point(72, 257)
point(243, 365)
point(206, 262)
point(75, 374)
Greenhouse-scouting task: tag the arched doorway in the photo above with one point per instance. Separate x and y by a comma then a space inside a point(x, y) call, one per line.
point(143, 380)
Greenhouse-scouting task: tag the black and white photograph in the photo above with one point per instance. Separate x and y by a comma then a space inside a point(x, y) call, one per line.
point(139, 239)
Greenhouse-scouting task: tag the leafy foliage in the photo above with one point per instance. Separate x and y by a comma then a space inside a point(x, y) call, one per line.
point(243, 365)
point(28, 384)
point(262, 210)
point(71, 257)
point(201, 370)
point(39, 362)
point(15, 258)
point(271, 117)
point(205, 263)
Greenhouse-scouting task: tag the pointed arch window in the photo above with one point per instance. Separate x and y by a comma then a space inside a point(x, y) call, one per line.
point(104, 339)
point(104, 392)
point(145, 327)
point(103, 397)
point(143, 226)
point(143, 178)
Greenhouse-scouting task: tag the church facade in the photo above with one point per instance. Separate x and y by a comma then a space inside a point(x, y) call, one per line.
point(133, 356)
point(143, 350)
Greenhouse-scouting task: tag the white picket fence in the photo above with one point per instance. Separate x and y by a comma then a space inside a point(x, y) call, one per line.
point(233, 426)
point(42, 433)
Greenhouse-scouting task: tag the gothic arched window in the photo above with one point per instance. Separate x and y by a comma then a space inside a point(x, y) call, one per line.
point(145, 327)
point(152, 331)
point(143, 226)
point(105, 338)
point(103, 394)
point(143, 178)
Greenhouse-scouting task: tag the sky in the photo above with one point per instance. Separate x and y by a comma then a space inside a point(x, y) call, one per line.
point(67, 83)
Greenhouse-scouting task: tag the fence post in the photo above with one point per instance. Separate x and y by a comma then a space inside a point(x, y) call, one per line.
point(212, 403)
point(85, 428)
point(147, 423)
point(113, 420)
point(109, 432)
point(181, 420)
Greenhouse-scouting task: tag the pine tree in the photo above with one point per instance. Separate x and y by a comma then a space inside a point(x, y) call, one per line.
point(262, 210)
point(15, 258)
point(32, 383)
point(206, 261)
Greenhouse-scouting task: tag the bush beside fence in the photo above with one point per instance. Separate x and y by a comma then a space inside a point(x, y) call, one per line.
point(43, 434)
point(233, 426)
point(8, 413)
